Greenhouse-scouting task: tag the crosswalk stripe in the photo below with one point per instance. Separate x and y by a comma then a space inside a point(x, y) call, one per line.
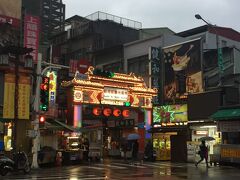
point(130, 165)
point(111, 166)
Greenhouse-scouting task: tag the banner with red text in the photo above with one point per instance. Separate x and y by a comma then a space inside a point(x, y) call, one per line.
point(31, 34)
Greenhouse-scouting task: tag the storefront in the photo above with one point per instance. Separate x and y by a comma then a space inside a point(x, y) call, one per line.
point(202, 130)
point(228, 123)
point(109, 106)
point(170, 132)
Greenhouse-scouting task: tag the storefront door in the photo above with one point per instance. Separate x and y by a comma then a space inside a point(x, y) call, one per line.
point(178, 148)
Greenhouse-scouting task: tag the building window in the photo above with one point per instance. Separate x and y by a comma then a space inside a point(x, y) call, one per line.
point(138, 65)
point(224, 43)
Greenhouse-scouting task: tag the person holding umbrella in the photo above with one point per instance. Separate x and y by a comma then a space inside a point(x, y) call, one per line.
point(133, 139)
point(135, 148)
point(203, 153)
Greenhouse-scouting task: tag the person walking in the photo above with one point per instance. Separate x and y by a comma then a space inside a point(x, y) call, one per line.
point(135, 148)
point(85, 149)
point(203, 153)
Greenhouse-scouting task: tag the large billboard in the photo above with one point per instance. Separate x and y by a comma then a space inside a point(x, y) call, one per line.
point(182, 63)
point(10, 12)
point(170, 114)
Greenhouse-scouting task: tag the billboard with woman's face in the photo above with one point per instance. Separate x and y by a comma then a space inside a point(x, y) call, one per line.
point(182, 70)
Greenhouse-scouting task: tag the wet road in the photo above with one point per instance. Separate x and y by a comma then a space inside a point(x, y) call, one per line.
point(117, 169)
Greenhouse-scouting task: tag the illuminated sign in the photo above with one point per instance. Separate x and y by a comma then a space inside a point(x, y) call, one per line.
point(97, 111)
point(115, 94)
point(77, 96)
point(170, 115)
point(201, 132)
point(52, 86)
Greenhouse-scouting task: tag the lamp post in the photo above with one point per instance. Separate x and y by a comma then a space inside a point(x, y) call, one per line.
point(219, 50)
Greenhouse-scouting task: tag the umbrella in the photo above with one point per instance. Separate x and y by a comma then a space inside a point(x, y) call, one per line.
point(133, 136)
point(206, 138)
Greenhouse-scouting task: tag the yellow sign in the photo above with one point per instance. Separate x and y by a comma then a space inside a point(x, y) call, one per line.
point(227, 152)
point(52, 87)
point(9, 90)
point(23, 97)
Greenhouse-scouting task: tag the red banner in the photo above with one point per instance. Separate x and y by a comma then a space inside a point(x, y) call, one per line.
point(31, 34)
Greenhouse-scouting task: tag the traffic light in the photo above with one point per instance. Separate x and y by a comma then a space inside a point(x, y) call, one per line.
point(127, 104)
point(41, 122)
point(103, 73)
point(44, 94)
point(42, 119)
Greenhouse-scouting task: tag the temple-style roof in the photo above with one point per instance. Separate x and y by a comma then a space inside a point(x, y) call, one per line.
point(129, 81)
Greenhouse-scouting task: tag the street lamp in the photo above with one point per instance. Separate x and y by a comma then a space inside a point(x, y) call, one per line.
point(219, 50)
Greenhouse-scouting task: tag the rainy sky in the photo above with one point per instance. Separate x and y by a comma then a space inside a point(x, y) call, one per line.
point(178, 15)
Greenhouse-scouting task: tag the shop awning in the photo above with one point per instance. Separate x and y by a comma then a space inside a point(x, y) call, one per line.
point(226, 114)
point(53, 124)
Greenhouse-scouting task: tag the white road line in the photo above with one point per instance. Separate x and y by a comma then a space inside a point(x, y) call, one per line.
point(112, 166)
point(130, 165)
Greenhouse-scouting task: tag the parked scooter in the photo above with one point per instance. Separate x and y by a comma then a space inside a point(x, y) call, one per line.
point(19, 162)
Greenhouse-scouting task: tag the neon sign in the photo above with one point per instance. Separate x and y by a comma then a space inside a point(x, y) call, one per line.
point(52, 86)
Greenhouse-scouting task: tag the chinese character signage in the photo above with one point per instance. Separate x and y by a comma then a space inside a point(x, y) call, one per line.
point(23, 97)
point(170, 114)
point(52, 87)
point(182, 70)
point(31, 34)
point(155, 72)
point(9, 93)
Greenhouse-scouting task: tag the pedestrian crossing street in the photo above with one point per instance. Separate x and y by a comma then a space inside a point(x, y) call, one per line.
point(92, 171)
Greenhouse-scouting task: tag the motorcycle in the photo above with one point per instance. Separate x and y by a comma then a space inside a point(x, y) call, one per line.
point(19, 162)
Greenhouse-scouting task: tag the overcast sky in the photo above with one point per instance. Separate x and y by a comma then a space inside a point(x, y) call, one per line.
point(178, 15)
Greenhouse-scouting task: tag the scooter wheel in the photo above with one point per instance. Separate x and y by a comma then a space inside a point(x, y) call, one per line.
point(3, 172)
point(27, 169)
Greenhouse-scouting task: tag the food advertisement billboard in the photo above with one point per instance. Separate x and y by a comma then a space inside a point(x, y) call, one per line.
point(182, 63)
point(170, 114)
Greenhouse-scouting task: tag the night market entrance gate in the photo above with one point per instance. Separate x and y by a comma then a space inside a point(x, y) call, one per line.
point(111, 106)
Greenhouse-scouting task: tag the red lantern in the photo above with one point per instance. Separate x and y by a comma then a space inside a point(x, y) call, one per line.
point(125, 113)
point(97, 111)
point(107, 112)
point(116, 112)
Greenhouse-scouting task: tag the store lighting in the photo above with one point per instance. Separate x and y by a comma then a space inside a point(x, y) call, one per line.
point(73, 137)
point(210, 126)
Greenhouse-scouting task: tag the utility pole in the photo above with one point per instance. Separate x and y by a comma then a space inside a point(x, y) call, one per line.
point(40, 73)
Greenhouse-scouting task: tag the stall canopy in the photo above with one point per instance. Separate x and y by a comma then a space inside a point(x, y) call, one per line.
point(226, 114)
point(57, 125)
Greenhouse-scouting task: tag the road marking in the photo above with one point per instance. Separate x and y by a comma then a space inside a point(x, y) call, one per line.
point(130, 165)
point(112, 166)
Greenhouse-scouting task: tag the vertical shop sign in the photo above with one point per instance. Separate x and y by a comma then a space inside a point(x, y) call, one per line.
point(155, 72)
point(52, 87)
point(9, 91)
point(23, 97)
point(31, 34)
